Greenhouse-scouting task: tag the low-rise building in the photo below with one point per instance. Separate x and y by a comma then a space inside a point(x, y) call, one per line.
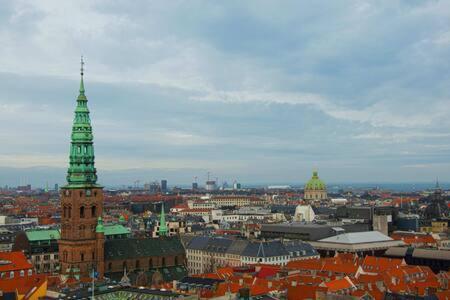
point(205, 254)
point(41, 245)
point(17, 278)
point(6, 240)
point(362, 243)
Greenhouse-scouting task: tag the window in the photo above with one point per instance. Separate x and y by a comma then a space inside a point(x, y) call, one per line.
point(94, 211)
point(93, 255)
point(22, 273)
point(30, 272)
point(46, 257)
point(150, 263)
point(124, 265)
point(81, 211)
point(137, 264)
point(2, 275)
point(82, 256)
point(65, 256)
point(70, 211)
point(11, 274)
point(163, 262)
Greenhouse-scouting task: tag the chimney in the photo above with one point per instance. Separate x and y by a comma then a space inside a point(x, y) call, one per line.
point(293, 283)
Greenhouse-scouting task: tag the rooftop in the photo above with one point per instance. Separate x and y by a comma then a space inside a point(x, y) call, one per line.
point(358, 238)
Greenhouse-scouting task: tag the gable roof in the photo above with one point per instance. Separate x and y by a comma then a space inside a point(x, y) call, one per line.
point(11, 261)
point(115, 229)
point(134, 248)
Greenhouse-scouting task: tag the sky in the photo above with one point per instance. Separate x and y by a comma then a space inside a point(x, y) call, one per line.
point(253, 91)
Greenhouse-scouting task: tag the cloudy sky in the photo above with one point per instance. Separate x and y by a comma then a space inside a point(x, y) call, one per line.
point(258, 91)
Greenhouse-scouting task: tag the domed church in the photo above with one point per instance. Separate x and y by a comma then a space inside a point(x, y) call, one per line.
point(315, 189)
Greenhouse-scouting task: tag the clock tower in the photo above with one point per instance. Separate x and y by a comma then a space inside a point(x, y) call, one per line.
point(80, 246)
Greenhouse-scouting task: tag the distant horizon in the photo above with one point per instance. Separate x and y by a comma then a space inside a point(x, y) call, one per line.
point(112, 179)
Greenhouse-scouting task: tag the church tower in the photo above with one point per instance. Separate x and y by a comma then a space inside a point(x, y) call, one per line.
point(81, 200)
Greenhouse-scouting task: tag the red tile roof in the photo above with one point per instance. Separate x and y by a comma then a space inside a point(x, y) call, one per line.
point(14, 261)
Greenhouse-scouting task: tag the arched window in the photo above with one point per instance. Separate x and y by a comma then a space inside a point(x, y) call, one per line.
point(150, 263)
point(22, 273)
point(137, 264)
point(109, 266)
point(94, 211)
point(163, 262)
point(65, 256)
point(81, 211)
point(65, 212)
point(82, 256)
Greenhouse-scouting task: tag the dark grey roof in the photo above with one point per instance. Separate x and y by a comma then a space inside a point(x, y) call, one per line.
point(299, 249)
point(396, 251)
point(133, 248)
point(199, 280)
point(237, 246)
point(432, 254)
point(265, 249)
point(313, 231)
point(212, 244)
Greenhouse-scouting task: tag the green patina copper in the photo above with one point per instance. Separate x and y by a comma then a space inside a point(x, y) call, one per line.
point(162, 222)
point(99, 228)
point(82, 172)
point(315, 183)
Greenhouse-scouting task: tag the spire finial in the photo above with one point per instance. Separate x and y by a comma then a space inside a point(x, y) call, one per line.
point(437, 184)
point(82, 74)
point(82, 66)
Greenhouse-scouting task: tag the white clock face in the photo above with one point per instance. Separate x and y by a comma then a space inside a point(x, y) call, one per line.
point(88, 192)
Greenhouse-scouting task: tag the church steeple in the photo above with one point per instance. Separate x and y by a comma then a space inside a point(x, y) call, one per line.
point(82, 172)
point(162, 222)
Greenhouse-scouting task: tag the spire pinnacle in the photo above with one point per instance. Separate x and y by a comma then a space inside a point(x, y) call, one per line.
point(162, 222)
point(82, 74)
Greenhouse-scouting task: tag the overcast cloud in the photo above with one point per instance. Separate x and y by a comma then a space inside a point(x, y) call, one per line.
point(258, 91)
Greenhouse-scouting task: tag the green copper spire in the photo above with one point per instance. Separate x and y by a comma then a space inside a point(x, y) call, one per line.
point(82, 172)
point(162, 222)
point(99, 228)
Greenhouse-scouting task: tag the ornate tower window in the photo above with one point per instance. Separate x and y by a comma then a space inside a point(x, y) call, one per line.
point(81, 211)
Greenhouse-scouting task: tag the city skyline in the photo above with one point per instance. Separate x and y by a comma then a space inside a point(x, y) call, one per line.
point(183, 100)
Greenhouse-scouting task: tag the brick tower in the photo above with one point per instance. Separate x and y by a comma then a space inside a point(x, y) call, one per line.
point(81, 200)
